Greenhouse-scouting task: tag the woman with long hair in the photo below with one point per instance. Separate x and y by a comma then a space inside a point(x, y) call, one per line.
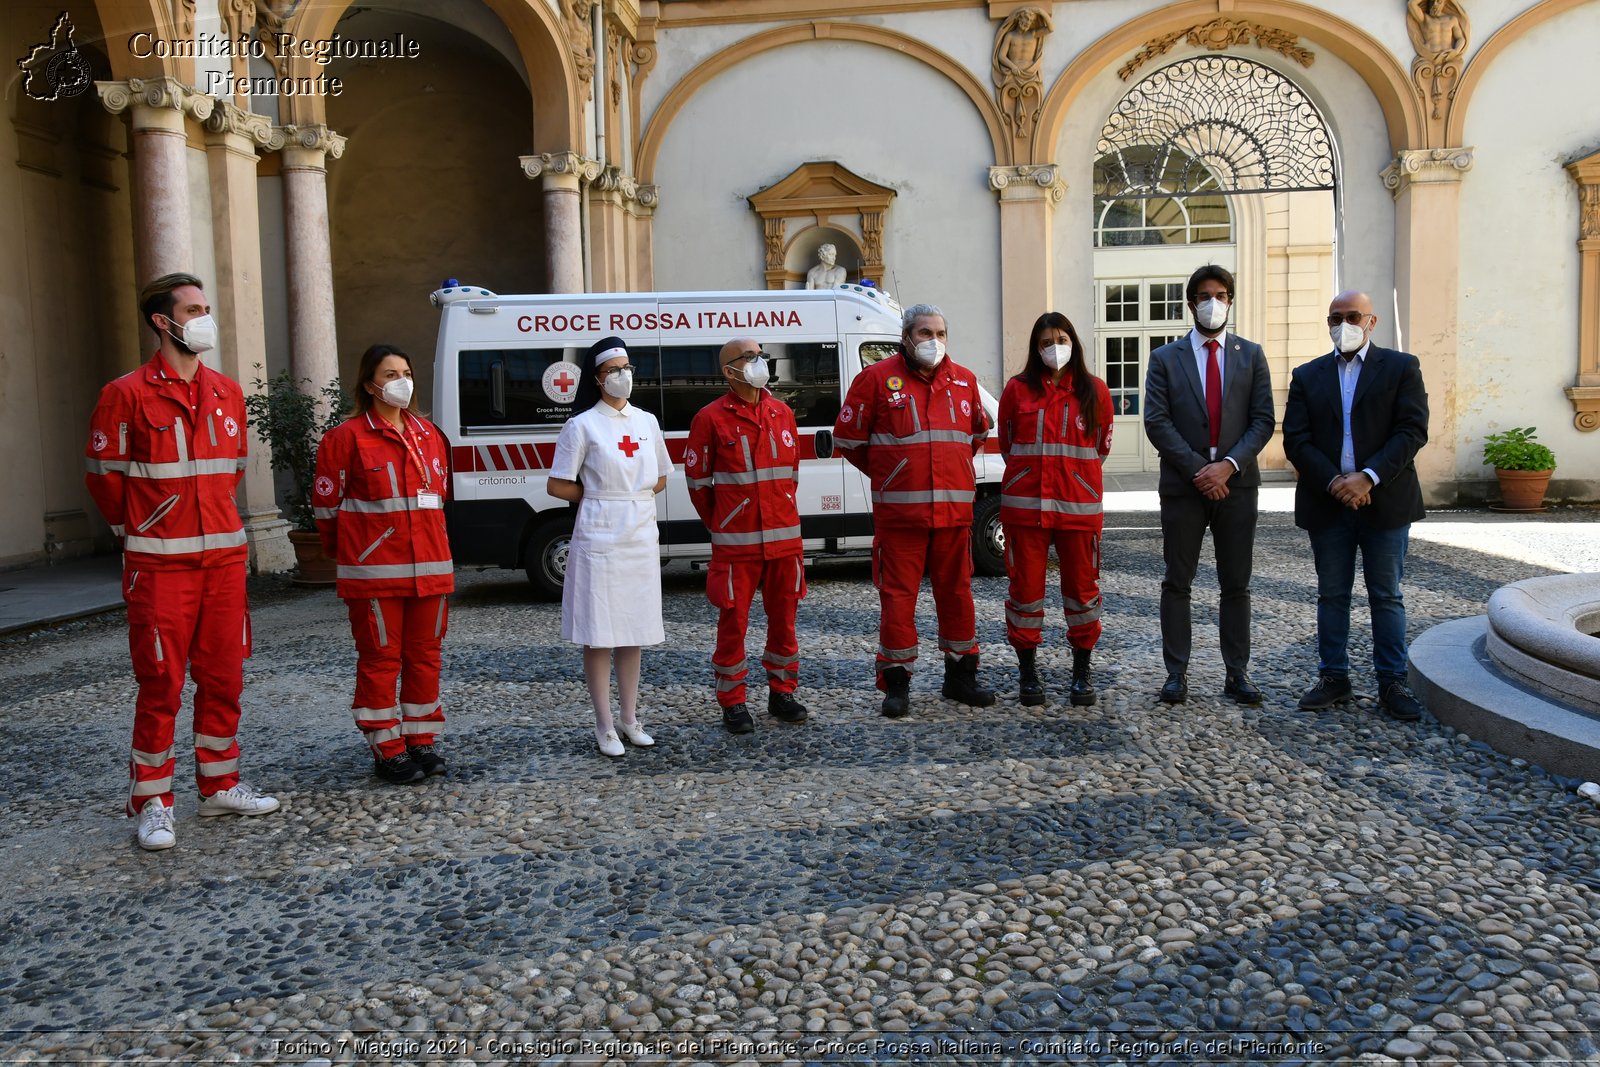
point(1055, 432)
point(611, 460)
point(382, 479)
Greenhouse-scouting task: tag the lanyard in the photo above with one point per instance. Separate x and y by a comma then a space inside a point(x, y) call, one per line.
point(414, 450)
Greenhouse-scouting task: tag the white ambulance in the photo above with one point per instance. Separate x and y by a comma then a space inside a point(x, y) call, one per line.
point(506, 371)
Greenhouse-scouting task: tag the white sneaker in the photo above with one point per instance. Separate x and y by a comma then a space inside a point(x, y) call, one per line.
point(155, 826)
point(635, 734)
point(240, 800)
point(610, 744)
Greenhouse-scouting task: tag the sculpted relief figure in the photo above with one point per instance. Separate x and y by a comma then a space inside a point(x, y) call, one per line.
point(1018, 52)
point(1438, 31)
point(825, 275)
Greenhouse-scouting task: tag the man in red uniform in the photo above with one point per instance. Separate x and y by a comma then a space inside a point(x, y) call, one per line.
point(740, 461)
point(912, 423)
point(166, 453)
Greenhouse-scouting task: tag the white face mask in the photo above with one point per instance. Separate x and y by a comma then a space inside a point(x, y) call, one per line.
point(619, 384)
point(197, 335)
point(1348, 337)
point(929, 352)
point(1211, 313)
point(397, 392)
point(757, 373)
point(1057, 356)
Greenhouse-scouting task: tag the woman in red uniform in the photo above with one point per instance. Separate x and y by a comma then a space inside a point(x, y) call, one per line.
point(1055, 432)
point(382, 477)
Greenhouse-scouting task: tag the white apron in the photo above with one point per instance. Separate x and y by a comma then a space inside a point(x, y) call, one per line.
point(612, 594)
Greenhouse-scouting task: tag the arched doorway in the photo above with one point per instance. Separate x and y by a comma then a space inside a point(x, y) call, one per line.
point(1215, 159)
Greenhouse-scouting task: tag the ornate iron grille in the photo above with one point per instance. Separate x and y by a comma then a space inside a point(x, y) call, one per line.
point(1215, 123)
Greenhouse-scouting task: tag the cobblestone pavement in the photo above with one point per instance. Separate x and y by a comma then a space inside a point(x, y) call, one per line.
point(1126, 883)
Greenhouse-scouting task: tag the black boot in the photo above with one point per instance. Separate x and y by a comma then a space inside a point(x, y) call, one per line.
point(896, 691)
point(1030, 690)
point(1082, 691)
point(961, 683)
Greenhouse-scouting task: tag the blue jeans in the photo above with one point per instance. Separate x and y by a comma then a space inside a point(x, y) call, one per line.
point(1383, 563)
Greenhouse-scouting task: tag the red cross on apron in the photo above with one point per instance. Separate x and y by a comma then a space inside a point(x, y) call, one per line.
point(628, 445)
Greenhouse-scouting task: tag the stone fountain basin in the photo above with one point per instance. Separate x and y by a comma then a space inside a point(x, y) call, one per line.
point(1541, 632)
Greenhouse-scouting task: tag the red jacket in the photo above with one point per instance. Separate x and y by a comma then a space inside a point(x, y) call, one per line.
point(740, 463)
point(914, 440)
point(1052, 462)
point(164, 473)
point(373, 522)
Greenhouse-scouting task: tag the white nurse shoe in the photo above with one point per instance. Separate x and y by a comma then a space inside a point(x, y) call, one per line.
point(635, 734)
point(610, 744)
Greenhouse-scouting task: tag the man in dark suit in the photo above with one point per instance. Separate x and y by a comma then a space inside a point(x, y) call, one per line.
point(1356, 417)
point(1208, 410)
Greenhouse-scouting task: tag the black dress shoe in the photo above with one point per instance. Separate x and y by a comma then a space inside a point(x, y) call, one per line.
point(1176, 691)
point(1030, 691)
point(427, 758)
point(1082, 690)
point(1329, 690)
point(1396, 700)
point(737, 719)
point(397, 770)
point(1241, 688)
point(784, 707)
point(896, 692)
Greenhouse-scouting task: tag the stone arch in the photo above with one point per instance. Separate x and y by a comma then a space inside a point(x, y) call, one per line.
point(558, 101)
point(655, 133)
point(121, 19)
point(1384, 75)
point(1498, 42)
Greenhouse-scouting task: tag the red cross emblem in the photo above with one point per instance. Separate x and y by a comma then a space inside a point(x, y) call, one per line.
point(565, 381)
point(628, 445)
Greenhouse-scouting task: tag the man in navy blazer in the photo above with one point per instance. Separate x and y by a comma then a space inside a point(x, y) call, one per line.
point(1356, 418)
point(1208, 410)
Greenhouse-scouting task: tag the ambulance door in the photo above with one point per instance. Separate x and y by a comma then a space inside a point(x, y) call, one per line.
point(691, 378)
point(805, 375)
point(863, 351)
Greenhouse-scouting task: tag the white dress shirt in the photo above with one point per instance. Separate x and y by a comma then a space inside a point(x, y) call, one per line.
point(1202, 362)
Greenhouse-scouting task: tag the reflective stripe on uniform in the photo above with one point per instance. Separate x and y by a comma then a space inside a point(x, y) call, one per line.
point(758, 537)
point(925, 496)
point(959, 646)
point(923, 437)
point(731, 669)
point(106, 466)
point(378, 737)
point(1077, 614)
point(152, 787)
point(381, 505)
point(176, 546)
point(217, 769)
point(843, 442)
point(1069, 451)
point(765, 474)
point(394, 570)
point(213, 744)
point(901, 654)
point(1063, 507)
point(152, 759)
point(1024, 621)
point(183, 468)
point(325, 513)
point(419, 711)
point(699, 483)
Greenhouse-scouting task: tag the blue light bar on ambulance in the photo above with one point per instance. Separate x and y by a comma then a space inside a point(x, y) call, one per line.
point(453, 293)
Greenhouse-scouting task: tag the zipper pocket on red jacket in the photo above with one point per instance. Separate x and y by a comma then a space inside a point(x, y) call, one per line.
point(1079, 479)
point(898, 467)
point(1021, 474)
point(374, 546)
point(155, 516)
point(155, 632)
point(723, 525)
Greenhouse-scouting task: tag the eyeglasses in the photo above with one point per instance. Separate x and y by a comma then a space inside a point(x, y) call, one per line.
point(628, 368)
point(742, 356)
point(1354, 318)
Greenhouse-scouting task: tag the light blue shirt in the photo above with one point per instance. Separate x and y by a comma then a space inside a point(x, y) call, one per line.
point(1349, 377)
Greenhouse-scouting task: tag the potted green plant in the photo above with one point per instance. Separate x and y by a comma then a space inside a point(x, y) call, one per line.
point(1523, 466)
point(291, 418)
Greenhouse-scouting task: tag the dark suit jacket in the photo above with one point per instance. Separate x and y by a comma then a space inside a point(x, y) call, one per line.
point(1175, 412)
point(1388, 425)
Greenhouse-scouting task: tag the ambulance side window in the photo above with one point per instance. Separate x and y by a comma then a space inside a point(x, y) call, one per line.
point(805, 375)
point(505, 387)
point(691, 378)
point(872, 351)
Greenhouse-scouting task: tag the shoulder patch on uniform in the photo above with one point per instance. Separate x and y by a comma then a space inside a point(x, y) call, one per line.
point(98, 440)
point(846, 413)
point(788, 439)
point(231, 426)
point(690, 457)
point(324, 486)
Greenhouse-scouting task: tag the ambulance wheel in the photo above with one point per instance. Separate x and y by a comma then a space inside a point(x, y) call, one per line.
point(988, 537)
point(545, 557)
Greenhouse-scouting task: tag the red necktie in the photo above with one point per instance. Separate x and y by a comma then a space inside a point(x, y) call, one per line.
point(1214, 394)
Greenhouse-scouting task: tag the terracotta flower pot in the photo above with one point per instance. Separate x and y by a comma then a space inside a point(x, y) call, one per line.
point(314, 567)
point(1522, 490)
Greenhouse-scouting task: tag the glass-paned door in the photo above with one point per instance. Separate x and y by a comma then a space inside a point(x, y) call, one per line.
point(1137, 316)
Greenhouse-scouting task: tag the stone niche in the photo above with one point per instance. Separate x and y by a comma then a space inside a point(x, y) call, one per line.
point(821, 203)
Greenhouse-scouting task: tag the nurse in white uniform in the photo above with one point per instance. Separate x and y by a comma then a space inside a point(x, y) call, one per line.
point(611, 460)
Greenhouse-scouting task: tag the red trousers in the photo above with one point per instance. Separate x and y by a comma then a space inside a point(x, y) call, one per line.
point(730, 586)
point(1078, 551)
point(899, 559)
point(195, 620)
point(397, 640)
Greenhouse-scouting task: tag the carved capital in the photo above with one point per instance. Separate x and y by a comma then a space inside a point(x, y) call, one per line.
point(238, 18)
point(648, 196)
point(1585, 406)
point(586, 170)
point(1421, 166)
point(316, 138)
point(1028, 181)
point(615, 180)
point(229, 119)
point(165, 94)
point(1586, 172)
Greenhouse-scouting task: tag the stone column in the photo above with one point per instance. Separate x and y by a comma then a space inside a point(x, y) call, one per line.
point(233, 137)
point(608, 256)
point(639, 232)
point(1584, 392)
point(1426, 184)
point(162, 236)
point(563, 175)
point(313, 342)
point(1028, 197)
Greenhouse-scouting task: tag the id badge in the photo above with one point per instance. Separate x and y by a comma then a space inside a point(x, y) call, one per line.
point(428, 500)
